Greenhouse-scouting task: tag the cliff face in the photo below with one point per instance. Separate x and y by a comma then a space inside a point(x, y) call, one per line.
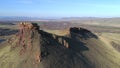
point(26, 34)
point(27, 41)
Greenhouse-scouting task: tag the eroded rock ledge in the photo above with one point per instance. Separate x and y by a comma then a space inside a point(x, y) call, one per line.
point(27, 40)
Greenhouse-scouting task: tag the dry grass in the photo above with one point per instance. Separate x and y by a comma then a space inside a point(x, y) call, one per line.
point(58, 32)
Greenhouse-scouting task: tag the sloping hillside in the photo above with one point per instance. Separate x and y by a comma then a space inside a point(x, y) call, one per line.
point(78, 48)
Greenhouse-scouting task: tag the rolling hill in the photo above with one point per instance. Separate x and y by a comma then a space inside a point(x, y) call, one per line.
point(75, 48)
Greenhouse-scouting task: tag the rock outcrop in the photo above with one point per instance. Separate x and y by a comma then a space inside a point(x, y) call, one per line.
point(36, 48)
point(82, 32)
point(27, 40)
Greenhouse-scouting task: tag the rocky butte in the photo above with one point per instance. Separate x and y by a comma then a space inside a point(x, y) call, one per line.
point(36, 48)
point(31, 47)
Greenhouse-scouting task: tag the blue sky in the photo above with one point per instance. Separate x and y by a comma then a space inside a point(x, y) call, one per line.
point(60, 8)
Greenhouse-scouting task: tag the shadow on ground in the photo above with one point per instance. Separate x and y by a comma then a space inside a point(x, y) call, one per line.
point(69, 46)
point(2, 40)
point(72, 43)
point(6, 32)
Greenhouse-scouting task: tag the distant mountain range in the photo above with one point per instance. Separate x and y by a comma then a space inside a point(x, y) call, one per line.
point(23, 18)
point(68, 19)
point(16, 18)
